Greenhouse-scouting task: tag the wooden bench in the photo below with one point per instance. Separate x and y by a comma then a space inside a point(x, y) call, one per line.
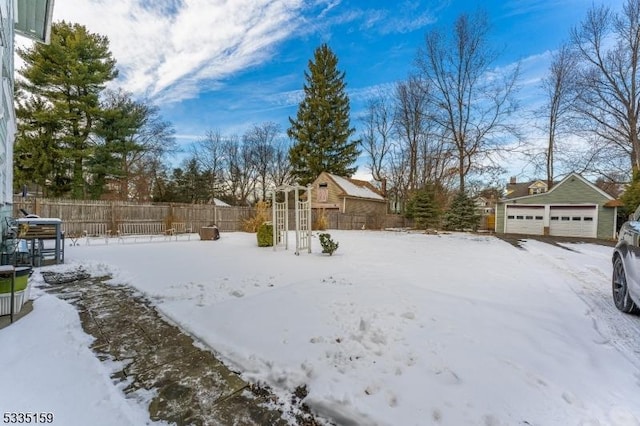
point(137, 230)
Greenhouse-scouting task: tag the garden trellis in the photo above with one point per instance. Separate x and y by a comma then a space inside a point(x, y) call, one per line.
point(302, 217)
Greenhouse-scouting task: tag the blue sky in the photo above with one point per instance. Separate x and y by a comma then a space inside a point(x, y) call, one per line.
point(226, 65)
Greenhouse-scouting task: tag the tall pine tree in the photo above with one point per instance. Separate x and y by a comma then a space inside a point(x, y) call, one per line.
point(321, 129)
point(61, 84)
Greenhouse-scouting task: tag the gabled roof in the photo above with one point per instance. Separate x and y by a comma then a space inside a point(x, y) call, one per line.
point(356, 188)
point(517, 190)
point(219, 203)
point(510, 197)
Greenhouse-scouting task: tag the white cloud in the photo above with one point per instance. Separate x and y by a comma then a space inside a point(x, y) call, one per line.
point(170, 50)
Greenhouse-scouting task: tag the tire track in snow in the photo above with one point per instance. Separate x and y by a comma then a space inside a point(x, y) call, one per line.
point(593, 286)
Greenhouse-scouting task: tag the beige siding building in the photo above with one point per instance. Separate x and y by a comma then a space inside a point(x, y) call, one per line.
point(352, 196)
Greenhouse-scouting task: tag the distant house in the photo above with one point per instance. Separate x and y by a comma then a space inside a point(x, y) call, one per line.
point(573, 207)
point(331, 192)
point(486, 209)
point(219, 203)
point(484, 206)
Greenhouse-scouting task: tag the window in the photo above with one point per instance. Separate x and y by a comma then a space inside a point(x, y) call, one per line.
point(323, 192)
point(520, 217)
point(588, 219)
point(511, 217)
point(529, 217)
point(565, 218)
point(538, 217)
point(576, 218)
point(554, 217)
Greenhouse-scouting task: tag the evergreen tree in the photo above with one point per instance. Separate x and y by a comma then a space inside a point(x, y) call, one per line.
point(321, 129)
point(121, 118)
point(424, 209)
point(38, 157)
point(67, 77)
point(462, 214)
point(631, 196)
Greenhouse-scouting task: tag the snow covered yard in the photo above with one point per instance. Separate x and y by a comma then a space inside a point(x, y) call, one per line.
point(393, 329)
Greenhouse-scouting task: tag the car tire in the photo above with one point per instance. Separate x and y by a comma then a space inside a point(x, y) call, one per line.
point(620, 290)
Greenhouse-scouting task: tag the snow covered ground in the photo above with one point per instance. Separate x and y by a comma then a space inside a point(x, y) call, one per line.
point(393, 329)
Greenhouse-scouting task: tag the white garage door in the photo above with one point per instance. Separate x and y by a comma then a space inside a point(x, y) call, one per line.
point(573, 221)
point(525, 220)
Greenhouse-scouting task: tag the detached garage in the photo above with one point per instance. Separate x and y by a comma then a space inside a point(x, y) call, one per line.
point(574, 207)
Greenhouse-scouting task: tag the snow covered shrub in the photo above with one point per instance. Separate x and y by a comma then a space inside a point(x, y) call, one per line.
point(328, 245)
point(265, 235)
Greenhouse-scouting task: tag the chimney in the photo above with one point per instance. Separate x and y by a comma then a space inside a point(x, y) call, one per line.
point(513, 180)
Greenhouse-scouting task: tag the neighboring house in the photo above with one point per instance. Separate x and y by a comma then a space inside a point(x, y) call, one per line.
point(331, 192)
point(484, 206)
point(573, 207)
point(219, 203)
point(485, 209)
point(32, 19)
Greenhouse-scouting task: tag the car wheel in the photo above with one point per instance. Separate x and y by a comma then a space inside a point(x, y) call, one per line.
point(620, 291)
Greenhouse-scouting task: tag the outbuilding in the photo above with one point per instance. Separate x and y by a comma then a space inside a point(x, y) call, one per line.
point(346, 195)
point(574, 207)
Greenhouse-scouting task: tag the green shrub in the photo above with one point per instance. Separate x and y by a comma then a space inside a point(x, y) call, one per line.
point(328, 245)
point(423, 207)
point(265, 235)
point(461, 215)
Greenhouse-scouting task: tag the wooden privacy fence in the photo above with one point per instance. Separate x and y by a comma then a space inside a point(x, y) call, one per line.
point(82, 214)
point(105, 217)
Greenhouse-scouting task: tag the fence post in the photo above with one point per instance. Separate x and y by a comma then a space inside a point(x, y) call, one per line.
point(114, 224)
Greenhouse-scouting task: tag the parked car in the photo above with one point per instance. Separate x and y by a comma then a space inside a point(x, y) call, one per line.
point(625, 280)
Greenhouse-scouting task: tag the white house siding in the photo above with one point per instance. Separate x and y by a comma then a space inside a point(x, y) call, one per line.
point(7, 114)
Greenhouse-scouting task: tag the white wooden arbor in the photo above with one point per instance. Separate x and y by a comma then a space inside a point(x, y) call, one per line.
point(302, 217)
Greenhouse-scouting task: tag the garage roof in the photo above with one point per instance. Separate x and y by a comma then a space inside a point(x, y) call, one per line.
point(571, 175)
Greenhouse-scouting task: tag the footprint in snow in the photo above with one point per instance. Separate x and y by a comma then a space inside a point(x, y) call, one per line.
point(622, 416)
point(408, 315)
point(237, 293)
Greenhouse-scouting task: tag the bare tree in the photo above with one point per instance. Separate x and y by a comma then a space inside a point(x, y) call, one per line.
point(398, 176)
point(376, 137)
point(409, 123)
point(240, 171)
point(559, 88)
point(209, 152)
point(474, 101)
point(280, 168)
point(608, 45)
point(260, 140)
